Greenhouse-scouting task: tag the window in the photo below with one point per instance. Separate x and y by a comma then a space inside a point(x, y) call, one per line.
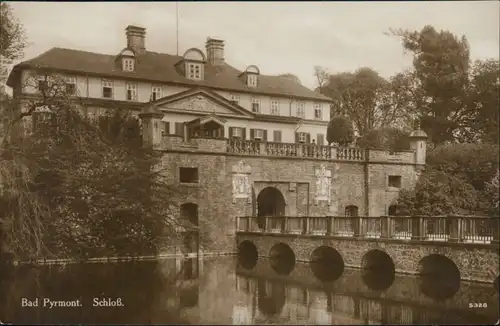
point(165, 128)
point(131, 92)
point(275, 107)
point(194, 71)
point(237, 132)
point(258, 134)
point(70, 85)
point(318, 113)
point(320, 139)
point(155, 93)
point(301, 110)
point(107, 88)
point(42, 83)
point(252, 80)
point(277, 136)
point(255, 105)
point(302, 137)
point(188, 175)
point(235, 98)
point(394, 181)
point(128, 64)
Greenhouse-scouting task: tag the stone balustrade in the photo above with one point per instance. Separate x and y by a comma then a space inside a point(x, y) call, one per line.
point(275, 149)
point(464, 229)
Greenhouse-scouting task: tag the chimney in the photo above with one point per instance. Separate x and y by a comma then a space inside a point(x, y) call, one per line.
point(136, 38)
point(215, 51)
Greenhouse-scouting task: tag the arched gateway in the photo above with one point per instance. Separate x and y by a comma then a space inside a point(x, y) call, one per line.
point(270, 203)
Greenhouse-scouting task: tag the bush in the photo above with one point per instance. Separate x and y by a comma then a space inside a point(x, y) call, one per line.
point(340, 131)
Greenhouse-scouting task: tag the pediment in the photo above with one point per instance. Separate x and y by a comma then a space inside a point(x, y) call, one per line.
point(201, 102)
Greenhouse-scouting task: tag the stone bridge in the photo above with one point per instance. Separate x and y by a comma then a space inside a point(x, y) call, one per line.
point(461, 248)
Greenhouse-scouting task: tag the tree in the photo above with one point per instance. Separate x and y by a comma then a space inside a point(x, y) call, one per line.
point(291, 77)
point(340, 131)
point(12, 39)
point(356, 96)
point(390, 139)
point(321, 75)
point(441, 70)
point(484, 99)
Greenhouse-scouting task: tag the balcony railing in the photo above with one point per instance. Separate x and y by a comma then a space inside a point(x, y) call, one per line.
point(264, 148)
point(466, 229)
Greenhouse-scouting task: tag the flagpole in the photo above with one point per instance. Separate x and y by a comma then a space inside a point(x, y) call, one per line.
point(177, 24)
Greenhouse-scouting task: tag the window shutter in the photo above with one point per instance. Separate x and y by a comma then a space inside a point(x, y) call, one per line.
point(296, 137)
point(179, 128)
point(251, 134)
point(308, 138)
point(166, 127)
point(244, 133)
point(321, 139)
point(231, 132)
point(264, 136)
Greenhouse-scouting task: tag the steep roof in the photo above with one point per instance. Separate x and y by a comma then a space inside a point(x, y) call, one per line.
point(161, 67)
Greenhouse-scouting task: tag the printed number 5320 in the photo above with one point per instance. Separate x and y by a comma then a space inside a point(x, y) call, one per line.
point(478, 305)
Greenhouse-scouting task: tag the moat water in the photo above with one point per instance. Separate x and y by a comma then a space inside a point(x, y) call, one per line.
point(225, 290)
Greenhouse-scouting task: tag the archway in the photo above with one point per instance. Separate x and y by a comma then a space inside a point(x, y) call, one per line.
point(351, 211)
point(282, 259)
point(270, 202)
point(378, 270)
point(190, 234)
point(247, 254)
point(439, 277)
point(326, 264)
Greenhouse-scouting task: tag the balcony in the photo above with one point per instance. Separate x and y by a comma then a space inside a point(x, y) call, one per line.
point(272, 149)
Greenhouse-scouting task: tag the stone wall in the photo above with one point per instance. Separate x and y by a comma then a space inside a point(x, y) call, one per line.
point(475, 262)
point(344, 183)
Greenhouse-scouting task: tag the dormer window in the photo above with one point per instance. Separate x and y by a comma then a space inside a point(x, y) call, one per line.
point(194, 71)
point(194, 62)
point(252, 80)
point(128, 64)
point(251, 75)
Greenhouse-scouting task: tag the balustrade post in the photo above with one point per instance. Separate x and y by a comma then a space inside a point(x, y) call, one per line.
point(329, 225)
point(333, 151)
point(453, 226)
point(237, 223)
point(358, 226)
point(495, 228)
point(305, 225)
point(300, 150)
point(416, 228)
point(284, 224)
point(385, 227)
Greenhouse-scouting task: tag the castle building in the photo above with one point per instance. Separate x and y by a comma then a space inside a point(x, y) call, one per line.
point(235, 142)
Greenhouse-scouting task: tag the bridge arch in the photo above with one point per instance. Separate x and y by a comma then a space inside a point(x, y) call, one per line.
point(439, 277)
point(326, 263)
point(282, 258)
point(271, 298)
point(247, 254)
point(378, 270)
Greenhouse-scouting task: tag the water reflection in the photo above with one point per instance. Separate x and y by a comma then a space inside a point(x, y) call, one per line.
point(225, 291)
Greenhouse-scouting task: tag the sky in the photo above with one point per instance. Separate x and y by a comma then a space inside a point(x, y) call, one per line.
point(277, 37)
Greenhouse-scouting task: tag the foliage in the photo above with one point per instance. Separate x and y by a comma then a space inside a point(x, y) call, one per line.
point(390, 139)
point(291, 77)
point(340, 131)
point(438, 193)
point(12, 38)
point(459, 179)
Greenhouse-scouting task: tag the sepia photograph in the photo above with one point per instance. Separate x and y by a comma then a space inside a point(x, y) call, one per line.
point(249, 163)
